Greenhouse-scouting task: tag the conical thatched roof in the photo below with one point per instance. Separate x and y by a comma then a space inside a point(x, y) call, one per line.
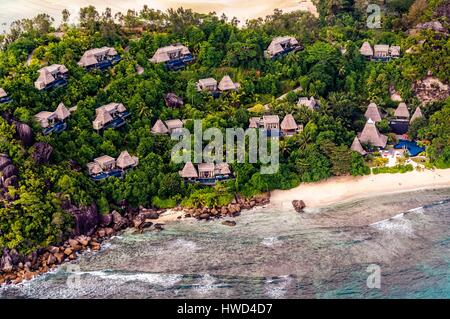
point(160, 128)
point(94, 168)
point(103, 116)
point(366, 49)
point(62, 112)
point(373, 113)
point(189, 171)
point(125, 160)
point(402, 110)
point(288, 123)
point(357, 147)
point(226, 84)
point(2, 93)
point(417, 114)
point(371, 135)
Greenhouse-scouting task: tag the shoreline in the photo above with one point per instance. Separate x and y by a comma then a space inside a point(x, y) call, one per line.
point(337, 190)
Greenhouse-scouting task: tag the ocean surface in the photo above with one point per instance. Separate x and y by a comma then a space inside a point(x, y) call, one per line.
point(271, 254)
point(11, 10)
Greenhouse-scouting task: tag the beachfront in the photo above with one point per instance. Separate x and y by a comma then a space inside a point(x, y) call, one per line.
point(340, 189)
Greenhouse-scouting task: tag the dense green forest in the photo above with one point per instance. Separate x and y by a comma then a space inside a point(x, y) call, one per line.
point(329, 67)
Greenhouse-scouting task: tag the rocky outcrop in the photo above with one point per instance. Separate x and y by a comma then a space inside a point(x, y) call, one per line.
point(233, 209)
point(299, 205)
point(41, 153)
point(24, 133)
point(8, 177)
point(86, 218)
point(431, 89)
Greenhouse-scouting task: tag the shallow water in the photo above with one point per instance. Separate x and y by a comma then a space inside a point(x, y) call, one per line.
point(269, 254)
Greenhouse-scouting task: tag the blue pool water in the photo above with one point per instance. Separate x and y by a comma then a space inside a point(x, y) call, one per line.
point(411, 146)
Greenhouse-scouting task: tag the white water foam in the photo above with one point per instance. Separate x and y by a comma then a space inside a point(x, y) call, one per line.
point(276, 289)
point(164, 280)
point(271, 241)
point(183, 244)
point(395, 225)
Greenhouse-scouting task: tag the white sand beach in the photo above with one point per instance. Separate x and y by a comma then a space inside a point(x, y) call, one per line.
point(341, 189)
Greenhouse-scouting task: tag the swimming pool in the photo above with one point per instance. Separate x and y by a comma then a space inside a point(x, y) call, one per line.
point(411, 146)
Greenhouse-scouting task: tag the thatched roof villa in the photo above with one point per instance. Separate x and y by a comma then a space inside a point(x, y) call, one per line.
point(51, 76)
point(402, 112)
point(189, 171)
point(125, 160)
point(310, 103)
point(208, 84)
point(280, 46)
point(371, 135)
point(206, 171)
point(109, 166)
point(169, 53)
point(160, 128)
point(53, 121)
point(373, 113)
point(381, 52)
point(99, 58)
point(111, 115)
point(288, 125)
point(175, 56)
point(167, 127)
point(417, 114)
point(357, 147)
point(226, 84)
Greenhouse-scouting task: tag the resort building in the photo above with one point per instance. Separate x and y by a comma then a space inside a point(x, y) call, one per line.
point(402, 112)
point(357, 147)
point(4, 98)
point(226, 84)
point(167, 127)
point(112, 115)
point(417, 114)
point(288, 126)
point(160, 128)
point(281, 46)
point(206, 173)
point(208, 84)
point(52, 76)
point(53, 121)
point(174, 126)
point(373, 113)
point(380, 52)
point(101, 58)
point(400, 124)
point(173, 101)
point(106, 166)
point(370, 135)
point(175, 57)
point(310, 103)
point(267, 122)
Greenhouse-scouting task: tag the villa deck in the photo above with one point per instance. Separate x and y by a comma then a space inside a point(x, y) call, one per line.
point(5, 99)
point(178, 64)
point(103, 175)
point(105, 64)
point(57, 128)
